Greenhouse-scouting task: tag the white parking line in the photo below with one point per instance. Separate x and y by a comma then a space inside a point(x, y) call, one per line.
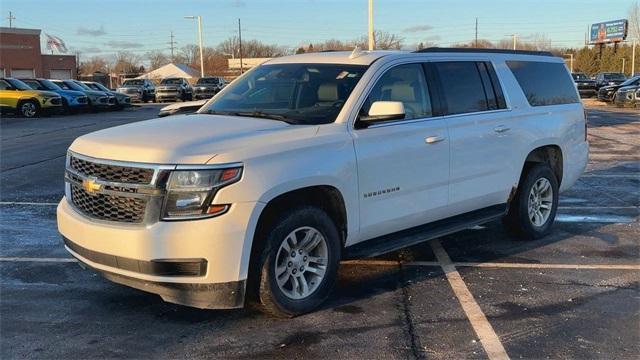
point(32, 259)
point(28, 203)
point(497, 265)
point(488, 337)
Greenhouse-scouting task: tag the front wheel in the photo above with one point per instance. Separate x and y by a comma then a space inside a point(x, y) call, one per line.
point(29, 109)
point(299, 264)
point(533, 210)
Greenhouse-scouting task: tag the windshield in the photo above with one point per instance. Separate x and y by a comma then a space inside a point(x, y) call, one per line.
point(580, 76)
point(19, 84)
point(69, 85)
point(171, 81)
point(83, 86)
point(34, 84)
point(632, 81)
point(207, 81)
point(99, 86)
point(306, 94)
point(614, 76)
point(49, 84)
point(133, 83)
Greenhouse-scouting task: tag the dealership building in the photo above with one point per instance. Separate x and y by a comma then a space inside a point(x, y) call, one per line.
point(21, 56)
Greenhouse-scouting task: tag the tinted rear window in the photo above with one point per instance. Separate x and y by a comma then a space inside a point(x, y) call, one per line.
point(544, 83)
point(462, 87)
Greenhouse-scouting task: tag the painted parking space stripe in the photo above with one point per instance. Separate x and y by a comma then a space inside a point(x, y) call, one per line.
point(497, 265)
point(488, 337)
point(36, 259)
point(28, 203)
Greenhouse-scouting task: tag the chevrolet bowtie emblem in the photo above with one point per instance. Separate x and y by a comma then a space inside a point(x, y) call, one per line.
point(91, 185)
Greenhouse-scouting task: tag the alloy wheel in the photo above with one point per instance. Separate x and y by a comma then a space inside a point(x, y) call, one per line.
point(540, 202)
point(301, 262)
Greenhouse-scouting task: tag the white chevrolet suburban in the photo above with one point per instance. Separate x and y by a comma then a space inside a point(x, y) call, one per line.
point(309, 159)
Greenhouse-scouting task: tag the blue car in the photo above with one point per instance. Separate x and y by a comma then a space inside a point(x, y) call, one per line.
point(71, 100)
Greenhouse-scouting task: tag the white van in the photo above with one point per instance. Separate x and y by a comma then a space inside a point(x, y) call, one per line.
point(309, 159)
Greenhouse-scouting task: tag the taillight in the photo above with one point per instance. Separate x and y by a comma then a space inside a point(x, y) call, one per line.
point(585, 124)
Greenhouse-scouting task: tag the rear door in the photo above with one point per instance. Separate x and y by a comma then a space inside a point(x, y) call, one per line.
point(482, 136)
point(403, 165)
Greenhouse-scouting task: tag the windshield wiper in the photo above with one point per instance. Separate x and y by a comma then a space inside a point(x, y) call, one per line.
point(256, 114)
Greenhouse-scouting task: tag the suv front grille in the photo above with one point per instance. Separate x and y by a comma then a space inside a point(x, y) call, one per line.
point(108, 207)
point(115, 173)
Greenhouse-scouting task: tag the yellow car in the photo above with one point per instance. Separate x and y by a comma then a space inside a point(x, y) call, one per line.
point(18, 97)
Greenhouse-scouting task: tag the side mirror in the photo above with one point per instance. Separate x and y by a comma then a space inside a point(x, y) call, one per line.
point(384, 111)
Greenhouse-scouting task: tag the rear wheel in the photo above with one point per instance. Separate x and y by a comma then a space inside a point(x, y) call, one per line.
point(28, 109)
point(299, 263)
point(533, 209)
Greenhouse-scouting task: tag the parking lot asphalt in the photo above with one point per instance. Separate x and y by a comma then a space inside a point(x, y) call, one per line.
point(474, 294)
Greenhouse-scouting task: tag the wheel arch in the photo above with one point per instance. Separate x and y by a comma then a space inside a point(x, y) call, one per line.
point(550, 154)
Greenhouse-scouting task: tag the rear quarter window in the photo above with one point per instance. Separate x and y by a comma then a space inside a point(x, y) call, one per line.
point(544, 83)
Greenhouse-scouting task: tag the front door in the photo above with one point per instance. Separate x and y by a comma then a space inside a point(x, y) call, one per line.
point(403, 165)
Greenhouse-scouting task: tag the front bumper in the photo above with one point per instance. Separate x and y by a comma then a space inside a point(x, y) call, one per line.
point(228, 295)
point(124, 253)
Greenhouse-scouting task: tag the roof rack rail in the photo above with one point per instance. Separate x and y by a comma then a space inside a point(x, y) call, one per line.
point(476, 50)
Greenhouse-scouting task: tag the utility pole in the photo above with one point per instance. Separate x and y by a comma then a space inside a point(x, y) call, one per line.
point(11, 18)
point(570, 61)
point(240, 46)
point(633, 58)
point(199, 18)
point(476, 33)
point(371, 39)
point(172, 43)
point(515, 41)
point(623, 65)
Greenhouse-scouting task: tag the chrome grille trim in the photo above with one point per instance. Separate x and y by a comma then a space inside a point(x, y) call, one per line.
point(143, 198)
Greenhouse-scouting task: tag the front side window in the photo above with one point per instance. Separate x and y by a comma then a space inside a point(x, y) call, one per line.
point(301, 94)
point(404, 83)
point(19, 84)
point(544, 83)
point(4, 85)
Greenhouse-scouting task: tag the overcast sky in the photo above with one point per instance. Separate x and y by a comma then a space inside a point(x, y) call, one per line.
point(102, 27)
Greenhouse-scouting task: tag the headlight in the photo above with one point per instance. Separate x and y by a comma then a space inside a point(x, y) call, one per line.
point(190, 193)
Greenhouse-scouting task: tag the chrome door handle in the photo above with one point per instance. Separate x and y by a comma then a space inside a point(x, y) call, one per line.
point(501, 129)
point(433, 139)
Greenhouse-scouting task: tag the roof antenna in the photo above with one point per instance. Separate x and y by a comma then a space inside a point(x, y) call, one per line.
point(356, 53)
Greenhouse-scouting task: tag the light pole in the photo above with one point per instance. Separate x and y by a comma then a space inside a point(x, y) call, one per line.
point(570, 61)
point(199, 40)
point(371, 39)
point(515, 40)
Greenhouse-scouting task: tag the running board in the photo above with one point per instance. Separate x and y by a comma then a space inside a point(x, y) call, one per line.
point(401, 239)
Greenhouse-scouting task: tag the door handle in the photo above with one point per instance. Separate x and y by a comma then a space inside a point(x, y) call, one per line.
point(501, 129)
point(433, 139)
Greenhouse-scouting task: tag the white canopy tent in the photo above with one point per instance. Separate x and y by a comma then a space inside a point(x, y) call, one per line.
point(171, 70)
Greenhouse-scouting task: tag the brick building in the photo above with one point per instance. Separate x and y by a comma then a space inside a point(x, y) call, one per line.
point(21, 56)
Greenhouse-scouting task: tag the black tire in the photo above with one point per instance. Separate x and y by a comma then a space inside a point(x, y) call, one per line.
point(272, 299)
point(28, 109)
point(517, 220)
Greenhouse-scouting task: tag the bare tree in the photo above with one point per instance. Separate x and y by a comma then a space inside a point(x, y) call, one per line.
point(383, 41)
point(157, 59)
point(127, 63)
point(92, 65)
point(634, 21)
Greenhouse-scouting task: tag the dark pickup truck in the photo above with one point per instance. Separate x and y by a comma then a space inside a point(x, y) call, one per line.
point(586, 87)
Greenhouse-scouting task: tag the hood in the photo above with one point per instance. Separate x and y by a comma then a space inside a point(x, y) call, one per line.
point(610, 87)
point(629, 88)
point(129, 86)
point(205, 86)
point(181, 139)
point(167, 86)
point(95, 93)
point(70, 93)
point(186, 104)
point(47, 93)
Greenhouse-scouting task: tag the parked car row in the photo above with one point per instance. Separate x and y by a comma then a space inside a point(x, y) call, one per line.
point(609, 87)
point(171, 89)
point(33, 97)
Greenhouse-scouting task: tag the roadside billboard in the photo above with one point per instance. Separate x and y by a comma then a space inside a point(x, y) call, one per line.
point(609, 31)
